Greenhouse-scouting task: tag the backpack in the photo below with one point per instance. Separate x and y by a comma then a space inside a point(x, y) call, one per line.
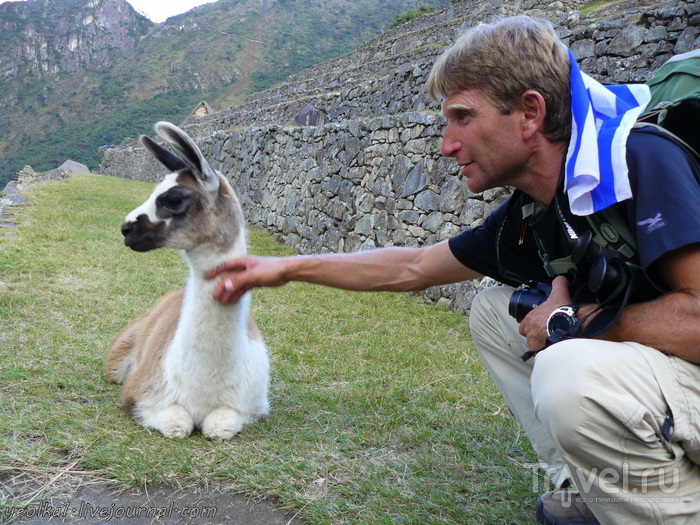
point(675, 99)
point(674, 109)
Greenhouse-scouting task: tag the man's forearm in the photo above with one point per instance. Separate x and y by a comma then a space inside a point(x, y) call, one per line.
point(392, 269)
point(389, 269)
point(384, 269)
point(670, 323)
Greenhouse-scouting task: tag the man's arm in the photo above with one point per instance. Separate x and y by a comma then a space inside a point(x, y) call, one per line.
point(672, 322)
point(386, 269)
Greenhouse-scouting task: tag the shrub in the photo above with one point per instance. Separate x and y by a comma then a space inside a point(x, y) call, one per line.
point(412, 15)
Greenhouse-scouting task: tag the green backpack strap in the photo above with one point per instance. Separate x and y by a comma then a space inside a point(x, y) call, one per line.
point(666, 131)
point(611, 230)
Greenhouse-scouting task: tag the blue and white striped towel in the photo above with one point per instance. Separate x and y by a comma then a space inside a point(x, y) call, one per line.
point(603, 116)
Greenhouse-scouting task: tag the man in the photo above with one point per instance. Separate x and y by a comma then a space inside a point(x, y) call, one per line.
point(617, 416)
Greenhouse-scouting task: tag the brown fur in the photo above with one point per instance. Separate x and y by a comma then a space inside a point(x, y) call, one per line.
point(253, 331)
point(144, 342)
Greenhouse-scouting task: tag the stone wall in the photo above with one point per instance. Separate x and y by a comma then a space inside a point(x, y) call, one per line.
point(387, 74)
point(373, 175)
point(27, 177)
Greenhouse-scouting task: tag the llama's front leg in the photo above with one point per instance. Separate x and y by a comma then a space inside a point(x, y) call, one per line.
point(222, 424)
point(173, 421)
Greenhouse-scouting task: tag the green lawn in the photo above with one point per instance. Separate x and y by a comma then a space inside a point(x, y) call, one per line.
point(381, 412)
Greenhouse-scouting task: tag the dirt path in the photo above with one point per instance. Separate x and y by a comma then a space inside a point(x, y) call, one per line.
point(94, 501)
point(247, 64)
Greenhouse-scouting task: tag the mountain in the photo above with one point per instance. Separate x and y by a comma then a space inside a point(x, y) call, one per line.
point(78, 74)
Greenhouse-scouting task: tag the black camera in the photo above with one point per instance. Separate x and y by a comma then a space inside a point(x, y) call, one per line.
point(522, 302)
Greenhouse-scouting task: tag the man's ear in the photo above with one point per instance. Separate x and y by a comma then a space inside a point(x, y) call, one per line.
point(534, 110)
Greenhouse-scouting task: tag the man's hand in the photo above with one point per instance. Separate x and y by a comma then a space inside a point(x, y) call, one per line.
point(244, 274)
point(534, 325)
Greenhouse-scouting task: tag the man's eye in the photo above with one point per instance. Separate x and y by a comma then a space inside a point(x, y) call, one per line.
point(464, 116)
point(459, 117)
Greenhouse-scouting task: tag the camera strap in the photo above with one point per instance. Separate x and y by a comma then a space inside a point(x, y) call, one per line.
point(610, 307)
point(552, 267)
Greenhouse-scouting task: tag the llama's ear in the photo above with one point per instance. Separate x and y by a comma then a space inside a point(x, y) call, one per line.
point(167, 159)
point(190, 153)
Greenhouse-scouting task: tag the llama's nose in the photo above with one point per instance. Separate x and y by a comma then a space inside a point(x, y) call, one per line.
point(127, 228)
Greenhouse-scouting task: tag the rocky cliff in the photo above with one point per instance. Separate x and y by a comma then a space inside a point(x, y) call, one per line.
point(371, 175)
point(65, 37)
point(51, 58)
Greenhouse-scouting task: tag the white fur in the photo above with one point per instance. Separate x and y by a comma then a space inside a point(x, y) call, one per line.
point(211, 368)
point(148, 208)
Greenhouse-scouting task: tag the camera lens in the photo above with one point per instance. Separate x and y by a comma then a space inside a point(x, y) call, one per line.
point(523, 301)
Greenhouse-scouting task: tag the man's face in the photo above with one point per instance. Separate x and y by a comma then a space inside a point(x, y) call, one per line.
point(487, 145)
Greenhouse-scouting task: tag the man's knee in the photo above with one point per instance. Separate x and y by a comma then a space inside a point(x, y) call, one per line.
point(488, 306)
point(565, 390)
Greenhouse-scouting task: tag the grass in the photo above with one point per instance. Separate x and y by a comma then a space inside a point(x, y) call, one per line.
point(381, 409)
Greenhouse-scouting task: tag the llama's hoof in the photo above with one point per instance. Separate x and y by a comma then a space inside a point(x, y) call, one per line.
point(223, 434)
point(173, 421)
point(222, 424)
point(177, 431)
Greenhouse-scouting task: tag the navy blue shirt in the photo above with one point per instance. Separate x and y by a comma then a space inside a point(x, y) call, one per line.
point(663, 215)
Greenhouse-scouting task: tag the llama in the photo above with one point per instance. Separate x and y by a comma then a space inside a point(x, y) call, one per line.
point(190, 362)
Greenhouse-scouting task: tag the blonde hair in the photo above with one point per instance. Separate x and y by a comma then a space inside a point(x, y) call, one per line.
point(503, 60)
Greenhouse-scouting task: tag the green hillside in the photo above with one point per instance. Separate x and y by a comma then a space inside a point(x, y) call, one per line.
point(75, 75)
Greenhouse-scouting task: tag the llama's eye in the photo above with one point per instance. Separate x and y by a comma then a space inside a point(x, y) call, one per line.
point(174, 203)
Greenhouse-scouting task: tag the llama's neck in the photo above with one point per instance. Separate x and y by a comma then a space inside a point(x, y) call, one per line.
point(205, 324)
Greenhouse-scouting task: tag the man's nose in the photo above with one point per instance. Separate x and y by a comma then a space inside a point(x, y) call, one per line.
point(449, 145)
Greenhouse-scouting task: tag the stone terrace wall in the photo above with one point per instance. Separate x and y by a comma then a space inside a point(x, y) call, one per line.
point(387, 74)
point(384, 76)
point(374, 175)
